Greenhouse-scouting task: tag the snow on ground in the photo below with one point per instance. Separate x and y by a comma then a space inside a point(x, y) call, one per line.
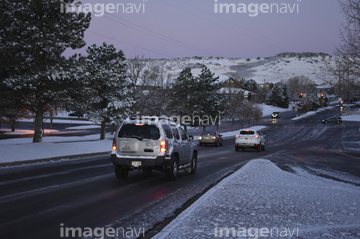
point(272, 69)
point(269, 109)
point(285, 68)
point(260, 201)
point(22, 149)
point(310, 113)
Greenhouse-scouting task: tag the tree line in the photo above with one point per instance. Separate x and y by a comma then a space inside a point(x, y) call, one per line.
point(36, 77)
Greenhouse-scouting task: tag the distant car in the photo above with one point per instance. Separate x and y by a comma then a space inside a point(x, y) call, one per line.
point(250, 139)
point(275, 115)
point(336, 119)
point(210, 137)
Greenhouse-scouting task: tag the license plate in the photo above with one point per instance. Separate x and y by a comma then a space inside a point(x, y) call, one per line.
point(136, 163)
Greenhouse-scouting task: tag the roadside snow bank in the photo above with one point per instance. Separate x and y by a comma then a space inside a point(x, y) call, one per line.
point(260, 201)
point(22, 149)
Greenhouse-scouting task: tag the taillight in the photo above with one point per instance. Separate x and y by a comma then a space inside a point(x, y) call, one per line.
point(163, 146)
point(256, 136)
point(114, 144)
point(214, 137)
point(237, 136)
point(200, 137)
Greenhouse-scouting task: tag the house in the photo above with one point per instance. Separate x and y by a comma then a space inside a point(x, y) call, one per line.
point(230, 85)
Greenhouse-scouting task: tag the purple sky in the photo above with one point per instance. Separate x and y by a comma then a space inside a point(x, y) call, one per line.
point(186, 28)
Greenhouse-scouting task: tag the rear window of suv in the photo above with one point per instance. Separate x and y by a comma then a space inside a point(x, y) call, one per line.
point(139, 131)
point(247, 132)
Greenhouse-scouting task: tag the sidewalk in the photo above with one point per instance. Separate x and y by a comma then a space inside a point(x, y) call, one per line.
point(262, 201)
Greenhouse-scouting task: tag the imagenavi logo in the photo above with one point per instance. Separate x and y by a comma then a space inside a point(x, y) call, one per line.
point(254, 9)
point(99, 8)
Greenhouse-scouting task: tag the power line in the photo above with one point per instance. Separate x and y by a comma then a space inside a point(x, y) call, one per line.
point(130, 44)
point(159, 35)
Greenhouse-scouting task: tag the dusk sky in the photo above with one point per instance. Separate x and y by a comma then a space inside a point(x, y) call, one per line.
point(186, 28)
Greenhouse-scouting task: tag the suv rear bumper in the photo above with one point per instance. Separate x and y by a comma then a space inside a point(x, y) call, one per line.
point(246, 146)
point(125, 162)
point(208, 141)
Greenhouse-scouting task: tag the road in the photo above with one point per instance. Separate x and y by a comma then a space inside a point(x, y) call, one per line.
point(37, 201)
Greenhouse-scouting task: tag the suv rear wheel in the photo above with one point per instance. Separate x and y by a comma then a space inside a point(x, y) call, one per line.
point(193, 164)
point(173, 170)
point(121, 173)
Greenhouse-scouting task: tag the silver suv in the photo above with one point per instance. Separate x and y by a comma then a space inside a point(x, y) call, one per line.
point(250, 139)
point(153, 144)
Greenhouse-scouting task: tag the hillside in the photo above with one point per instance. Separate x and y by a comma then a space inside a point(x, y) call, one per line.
point(270, 69)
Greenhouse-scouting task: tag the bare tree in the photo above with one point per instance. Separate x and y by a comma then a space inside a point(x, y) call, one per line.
point(135, 67)
point(234, 104)
point(248, 112)
point(135, 71)
point(347, 67)
point(299, 84)
point(257, 112)
point(350, 33)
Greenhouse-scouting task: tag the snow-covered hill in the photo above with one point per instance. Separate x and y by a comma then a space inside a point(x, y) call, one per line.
point(271, 69)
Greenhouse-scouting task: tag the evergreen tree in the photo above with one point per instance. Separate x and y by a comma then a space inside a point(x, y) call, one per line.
point(278, 96)
point(105, 87)
point(33, 37)
point(208, 101)
point(182, 90)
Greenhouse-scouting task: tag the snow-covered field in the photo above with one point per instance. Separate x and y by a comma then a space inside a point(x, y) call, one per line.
point(272, 69)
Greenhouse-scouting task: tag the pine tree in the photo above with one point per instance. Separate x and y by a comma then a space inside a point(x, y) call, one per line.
point(208, 101)
point(105, 87)
point(182, 90)
point(278, 96)
point(33, 36)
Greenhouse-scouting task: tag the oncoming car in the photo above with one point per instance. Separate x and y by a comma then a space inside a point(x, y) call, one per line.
point(250, 139)
point(210, 137)
point(275, 115)
point(336, 119)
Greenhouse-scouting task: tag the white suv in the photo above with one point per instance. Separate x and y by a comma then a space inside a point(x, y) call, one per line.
point(250, 139)
point(153, 144)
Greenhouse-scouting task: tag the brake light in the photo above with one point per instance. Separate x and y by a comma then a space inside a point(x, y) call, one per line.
point(214, 137)
point(114, 144)
point(163, 146)
point(237, 136)
point(256, 136)
point(200, 137)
